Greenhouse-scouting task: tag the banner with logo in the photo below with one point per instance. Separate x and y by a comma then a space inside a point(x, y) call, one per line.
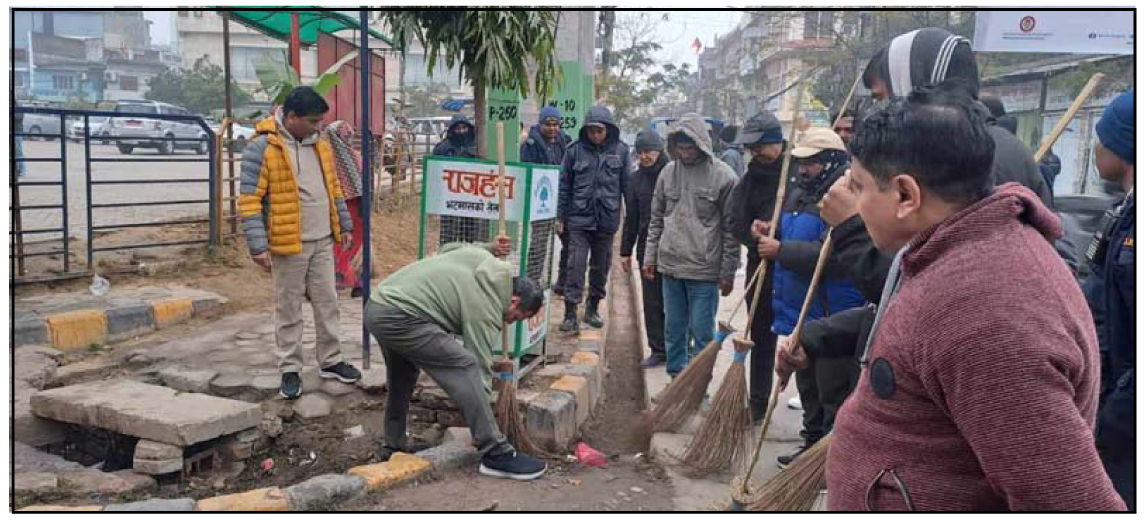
point(1088, 32)
point(468, 188)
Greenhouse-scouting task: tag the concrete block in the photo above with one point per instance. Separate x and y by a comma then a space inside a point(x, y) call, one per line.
point(585, 358)
point(458, 435)
point(27, 427)
point(323, 491)
point(207, 307)
point(589, 334)
point(151, 450)
point(125, 322)
point(555, 370)
point(264, 499)
point(35, 482)
point(450, 456)
point(188, 379)
point(591, 373)
point(588, 345)
point(171, 311)
point(154, 505)
point(436, 399)
point(34, 365)
point(157, 467)
point(402, 467)
point(448, 418)
point(313, 406)
point(552, 420)
point(77, 330)
point(29, 331)
point(87, 481)
point(237, 450)
point(146, 411)
point(579, 388)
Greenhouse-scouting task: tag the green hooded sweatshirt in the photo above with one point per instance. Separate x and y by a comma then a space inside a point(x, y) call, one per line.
point(464, 289)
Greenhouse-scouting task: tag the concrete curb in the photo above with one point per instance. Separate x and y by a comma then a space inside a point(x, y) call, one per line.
point(317, 493)
point(68, 331)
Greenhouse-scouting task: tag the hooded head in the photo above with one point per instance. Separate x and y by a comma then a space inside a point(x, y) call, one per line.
point(600, 117)
point(1114, 152)
point(650, 148)
point(921, 57)
point(689, 140)
point(461, 130)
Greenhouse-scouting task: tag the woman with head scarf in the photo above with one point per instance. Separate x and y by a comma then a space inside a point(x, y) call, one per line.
point(347, 164)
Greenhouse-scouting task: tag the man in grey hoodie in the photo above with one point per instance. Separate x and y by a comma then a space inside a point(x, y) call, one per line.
point(690, 241)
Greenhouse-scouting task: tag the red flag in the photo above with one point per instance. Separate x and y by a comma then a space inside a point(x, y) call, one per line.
point(696, 45)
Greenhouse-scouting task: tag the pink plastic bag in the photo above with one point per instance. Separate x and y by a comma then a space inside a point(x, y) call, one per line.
point(589, 457)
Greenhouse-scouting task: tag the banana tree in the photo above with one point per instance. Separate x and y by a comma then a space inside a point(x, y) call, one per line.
point(277, 78)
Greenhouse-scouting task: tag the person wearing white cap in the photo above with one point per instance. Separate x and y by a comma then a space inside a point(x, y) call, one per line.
point(824, 384)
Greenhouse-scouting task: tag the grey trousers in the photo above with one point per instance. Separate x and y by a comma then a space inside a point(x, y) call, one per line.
point(411, 344)
point(309, 274)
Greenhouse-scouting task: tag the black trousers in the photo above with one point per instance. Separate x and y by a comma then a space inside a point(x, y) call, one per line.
point(654, 300)
point(593, 249)
point(563, 264)
point(763, 360)
point(823, 387)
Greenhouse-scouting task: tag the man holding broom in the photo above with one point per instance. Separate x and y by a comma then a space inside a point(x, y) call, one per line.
point(416, 315)
point(928, 427)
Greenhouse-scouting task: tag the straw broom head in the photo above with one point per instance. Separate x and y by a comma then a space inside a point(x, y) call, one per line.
point(681, 398)
point(723, 438)
point(795, 488)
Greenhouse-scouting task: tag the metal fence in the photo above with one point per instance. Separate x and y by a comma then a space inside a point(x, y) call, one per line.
point(93, 227)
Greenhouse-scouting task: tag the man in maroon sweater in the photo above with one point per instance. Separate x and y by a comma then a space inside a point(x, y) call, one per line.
point(981, 375)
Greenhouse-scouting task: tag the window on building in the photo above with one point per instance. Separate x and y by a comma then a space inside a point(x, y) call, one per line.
point(198, 13)
point(63, 82)
point(183, 13)
point(19, 79)
point(129, 83)
point(818, 24)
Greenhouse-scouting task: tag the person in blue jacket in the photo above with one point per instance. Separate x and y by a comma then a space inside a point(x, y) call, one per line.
point(1110, 290)
point(546, 144)
point(825, 384)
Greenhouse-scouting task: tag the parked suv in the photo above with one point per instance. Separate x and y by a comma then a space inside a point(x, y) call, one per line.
point(161, 135)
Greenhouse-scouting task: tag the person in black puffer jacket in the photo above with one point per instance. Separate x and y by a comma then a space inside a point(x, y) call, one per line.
point(593, 181)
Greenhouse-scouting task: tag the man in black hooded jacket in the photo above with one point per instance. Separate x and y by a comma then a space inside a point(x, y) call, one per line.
point(593, 180)
point(460, 142)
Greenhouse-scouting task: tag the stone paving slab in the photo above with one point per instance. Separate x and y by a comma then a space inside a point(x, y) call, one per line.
point(146, 411)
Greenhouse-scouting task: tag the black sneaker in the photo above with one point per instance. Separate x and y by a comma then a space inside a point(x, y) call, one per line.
point(785, 460)
point(342, 372)
point(513, 465)
point(291, 386)
point(388, 451)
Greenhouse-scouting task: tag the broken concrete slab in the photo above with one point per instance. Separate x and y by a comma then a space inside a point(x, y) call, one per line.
point(95, 481)
point(185, 379)
point(29, 429)
point(34, 366)
point(155, 504)
point(35, 482)
point(320, 492)
point(28, 459)
point(73, 372)
point(230, 385)
point(157, 467)
point(146, 411)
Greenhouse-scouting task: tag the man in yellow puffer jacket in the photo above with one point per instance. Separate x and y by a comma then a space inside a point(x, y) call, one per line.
point(293, 213)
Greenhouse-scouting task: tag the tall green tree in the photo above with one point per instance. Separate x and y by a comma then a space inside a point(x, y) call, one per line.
point(491, 49)
point(200, 89)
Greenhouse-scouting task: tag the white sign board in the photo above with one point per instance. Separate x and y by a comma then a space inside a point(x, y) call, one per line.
point(469, 189)
point(1090, 32)
point(543, 204)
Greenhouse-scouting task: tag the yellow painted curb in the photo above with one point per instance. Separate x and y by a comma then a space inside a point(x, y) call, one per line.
point(172, 311)
point(77, 329)
point(62, 508)
point(585, 358)
point(571, 384)
point(400, 468)
point(265, 499)
point(590, 335)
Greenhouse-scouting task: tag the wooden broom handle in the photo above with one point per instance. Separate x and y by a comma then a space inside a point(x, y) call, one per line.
point(762, 271)
point(501, 179)
point(1069, 115)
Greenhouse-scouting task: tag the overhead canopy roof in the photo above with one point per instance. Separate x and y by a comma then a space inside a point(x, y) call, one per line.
point(276, 23)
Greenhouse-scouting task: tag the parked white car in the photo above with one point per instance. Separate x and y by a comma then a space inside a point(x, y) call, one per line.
point(99, 126)
point(163, 135)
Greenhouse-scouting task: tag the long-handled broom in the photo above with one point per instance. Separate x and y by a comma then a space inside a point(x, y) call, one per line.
point(797, 487)
point(509, 418)
point(723, 437)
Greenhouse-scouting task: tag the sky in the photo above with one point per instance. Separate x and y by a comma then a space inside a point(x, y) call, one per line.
point(683, 27)
point(160, 26)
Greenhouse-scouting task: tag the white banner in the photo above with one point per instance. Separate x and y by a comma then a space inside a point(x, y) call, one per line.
point(469, 189)
point(1090, 32)
point(543, 205)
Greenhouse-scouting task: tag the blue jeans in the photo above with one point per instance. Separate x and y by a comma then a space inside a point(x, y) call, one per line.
point(690, 319)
